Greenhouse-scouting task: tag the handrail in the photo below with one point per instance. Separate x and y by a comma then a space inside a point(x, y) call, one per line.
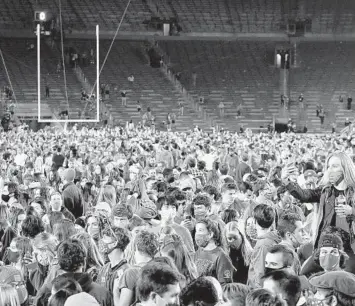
point(201, 111)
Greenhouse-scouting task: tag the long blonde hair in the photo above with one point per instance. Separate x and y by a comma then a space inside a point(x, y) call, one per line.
point(246, 247)
point(347, 166)
point(8, 296)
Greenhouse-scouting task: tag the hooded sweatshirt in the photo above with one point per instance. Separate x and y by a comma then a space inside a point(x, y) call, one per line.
point(257, 262)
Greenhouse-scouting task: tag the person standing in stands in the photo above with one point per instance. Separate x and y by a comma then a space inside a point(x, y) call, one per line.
point(347, 122)
point(194, 78)
point(350, 100)
point(321, 115)
point(181, 109)
point(124, 97)
point(221, 109)
point(139, 107)
point(47, 91)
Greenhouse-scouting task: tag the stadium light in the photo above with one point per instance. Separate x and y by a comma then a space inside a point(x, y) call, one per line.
point(42, 16)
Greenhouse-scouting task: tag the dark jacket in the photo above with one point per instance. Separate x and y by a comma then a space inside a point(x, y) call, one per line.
point(72, 199)
point(320, 196)
point(241, 170)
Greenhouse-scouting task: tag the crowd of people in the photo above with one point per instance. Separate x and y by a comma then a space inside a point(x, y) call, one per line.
point(133, 216)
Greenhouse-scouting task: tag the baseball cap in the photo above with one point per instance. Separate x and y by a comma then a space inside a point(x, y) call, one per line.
point(340, 281)
point(331, 240)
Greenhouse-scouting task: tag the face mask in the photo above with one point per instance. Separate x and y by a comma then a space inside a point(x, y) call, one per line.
point(93, 232)
point(336, 177)
point(165, 214)
point(199, 215)
point(5, 197)
point(329, 261)
point(13, 256)
point(202, 240)
point(268, 270)
point(171, 180)
point(315, 302)
point(43, 259)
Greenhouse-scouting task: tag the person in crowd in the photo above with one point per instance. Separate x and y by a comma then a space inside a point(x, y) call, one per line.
point(240, 251)
point(350, 100)
point(264, 217)
point(115, 242)
point(210, 256)
point(72, 197)
point(333, 288)
point(285, 285)
point(262, 297)
point(337, 186)
point(146, 247)
point(291, 230)
point(173, 246)
point(158, 284)
point(72, 257)
point(199, 292)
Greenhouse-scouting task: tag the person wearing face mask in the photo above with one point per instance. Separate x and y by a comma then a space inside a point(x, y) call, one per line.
point(115, 241)
point(334, 194)
point(210, 255)
point(239, 251)
point(201, 208)
point(334, 288)
point(264, 217)
point(330, 255)
point(72, 257)
point(168, 213)
point(10, 195)
point(44, 251)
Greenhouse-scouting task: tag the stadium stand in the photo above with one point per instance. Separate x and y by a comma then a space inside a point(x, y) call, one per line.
point(22, 68)
point(150, 86)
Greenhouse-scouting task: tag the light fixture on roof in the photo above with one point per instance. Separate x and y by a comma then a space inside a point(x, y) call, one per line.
point(42, 16)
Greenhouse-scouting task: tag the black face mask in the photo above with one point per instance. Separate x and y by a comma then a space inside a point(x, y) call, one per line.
point(5, 197)
point(171, 179)
point(268, 270)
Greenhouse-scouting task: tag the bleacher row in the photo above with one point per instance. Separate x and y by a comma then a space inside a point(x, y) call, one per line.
point(232, 72)
point(231, 16)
